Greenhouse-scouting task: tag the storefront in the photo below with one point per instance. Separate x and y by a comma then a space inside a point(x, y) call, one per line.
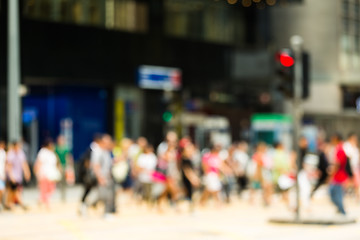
point(76, 112)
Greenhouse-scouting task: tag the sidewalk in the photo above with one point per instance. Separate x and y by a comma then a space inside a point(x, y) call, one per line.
point(240, 220)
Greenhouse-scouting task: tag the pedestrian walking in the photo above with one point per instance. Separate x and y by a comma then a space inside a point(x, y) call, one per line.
point(134, 151)
point(16, 168)
point(47, 170)
point(307, 163)
point(262, 173)
point(323, 166)
point(212, 168)
point(146, 166)
point(65, 158)
point(170, 142)
point(86, 176)
point(281, 171)
point(122, 169)
point(189, 178)
point(338, 176)
point(240, 160)
point(352, 153)
point(168, 169)
point(226, 174)
point(101, 161)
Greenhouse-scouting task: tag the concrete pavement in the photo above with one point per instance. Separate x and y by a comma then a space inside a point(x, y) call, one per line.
point(240, 220)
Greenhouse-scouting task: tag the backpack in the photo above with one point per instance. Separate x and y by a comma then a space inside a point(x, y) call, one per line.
point(84, 162)
point(348, 167)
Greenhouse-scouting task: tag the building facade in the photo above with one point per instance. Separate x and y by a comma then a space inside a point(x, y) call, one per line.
point(80, 58)
point(330, 29)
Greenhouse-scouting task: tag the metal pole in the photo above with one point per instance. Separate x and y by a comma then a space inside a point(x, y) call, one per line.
point(14, 104)
point(296, 44)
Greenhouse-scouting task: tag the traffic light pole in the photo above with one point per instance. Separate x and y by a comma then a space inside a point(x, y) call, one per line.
point(300, 77)
point(13, 96)
point(296, 45)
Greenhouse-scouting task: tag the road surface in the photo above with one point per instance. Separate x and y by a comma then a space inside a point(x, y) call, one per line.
point(239, 220)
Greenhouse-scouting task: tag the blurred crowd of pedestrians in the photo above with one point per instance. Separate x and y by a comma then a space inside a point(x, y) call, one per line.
point(177, 170)
point(53, 166)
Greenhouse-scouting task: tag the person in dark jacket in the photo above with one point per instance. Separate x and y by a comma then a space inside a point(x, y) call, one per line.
point(323, 166)
point(303, 145)
point(86, 176)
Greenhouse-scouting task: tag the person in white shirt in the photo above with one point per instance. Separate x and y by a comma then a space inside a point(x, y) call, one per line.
point(47, 172)
point(133, 153)
point(146, 166)
point(170, 141)
point(352, 152)
point(137, 148)
point(101, 164)
point(241, 159)
point(227, 172)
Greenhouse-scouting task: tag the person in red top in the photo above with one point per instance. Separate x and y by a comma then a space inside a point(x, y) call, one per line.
point(338, 175)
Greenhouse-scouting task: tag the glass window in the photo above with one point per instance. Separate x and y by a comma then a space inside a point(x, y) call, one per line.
point(345, 43)
point(357, 44)
point(357, 10)
point(356, 26)
point(345, 8)
point(96, 13)
point(346, 24)
point(128, 15)
point(203, 20)
point(350, 36)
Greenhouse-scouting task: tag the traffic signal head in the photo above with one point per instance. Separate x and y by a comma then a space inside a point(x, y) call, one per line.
point(285, 71)
point(305, 75)
point(167, 116)
point(286, 60)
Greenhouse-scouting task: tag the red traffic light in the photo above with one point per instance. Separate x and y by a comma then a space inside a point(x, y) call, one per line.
point(286, 60)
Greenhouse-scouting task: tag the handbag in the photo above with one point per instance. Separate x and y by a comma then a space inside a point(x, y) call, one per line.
point(286, 182)
point(251, 169)
point(158, 177)
point(54, 175)
point(70, 175)
point(120, 171)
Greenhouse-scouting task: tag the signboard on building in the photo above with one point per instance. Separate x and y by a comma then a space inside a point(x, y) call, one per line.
point(162, 78)
point(251, 65)
point(272, 128)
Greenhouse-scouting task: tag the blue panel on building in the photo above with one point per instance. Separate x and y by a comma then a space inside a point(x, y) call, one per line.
point(86, 107)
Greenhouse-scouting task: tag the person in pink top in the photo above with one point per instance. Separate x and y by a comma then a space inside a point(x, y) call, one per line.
point(47, 170)
point(212, 164)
